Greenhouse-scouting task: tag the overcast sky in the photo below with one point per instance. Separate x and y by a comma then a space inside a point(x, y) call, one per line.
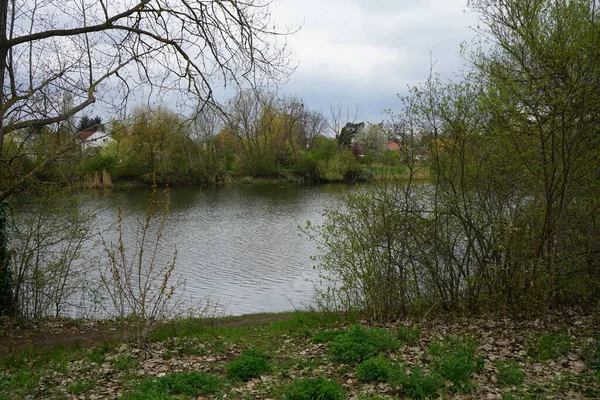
point(365, 52)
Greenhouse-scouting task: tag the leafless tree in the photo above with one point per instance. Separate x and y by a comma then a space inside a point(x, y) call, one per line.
point(109, 52)
point(313, 125)
point(340, 115)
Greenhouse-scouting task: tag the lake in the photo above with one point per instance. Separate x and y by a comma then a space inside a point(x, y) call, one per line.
point(239, 246)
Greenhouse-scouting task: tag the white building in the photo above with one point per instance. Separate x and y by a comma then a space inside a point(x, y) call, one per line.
point(98, 138)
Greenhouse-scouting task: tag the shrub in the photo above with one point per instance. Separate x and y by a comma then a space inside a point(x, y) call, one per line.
point(181, 383)
point(359, 344)
point(376, 369)
point(550, 346)
point(420, 384)
point(509, 372)
point(313, 389)
point(250, 364)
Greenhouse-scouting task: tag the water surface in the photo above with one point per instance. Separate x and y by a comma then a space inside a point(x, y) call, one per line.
point(240, 245)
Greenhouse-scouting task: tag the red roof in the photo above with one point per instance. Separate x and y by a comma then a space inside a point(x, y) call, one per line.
point(84, 135)
point(393, 145)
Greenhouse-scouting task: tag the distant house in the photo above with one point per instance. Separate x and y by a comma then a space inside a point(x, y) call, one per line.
point(393, 145)
point(97, 138)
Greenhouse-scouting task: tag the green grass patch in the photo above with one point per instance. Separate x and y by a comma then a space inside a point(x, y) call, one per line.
point(326, 336)
point(266, 331)
point(509, 372)
point(182, 384)
point(376, 369)
point(28, 358)
point(454, 359)
point(359, 344)
point(409, 336)
point(19, 383)
point(315, 389)
point(250, 364)
point(419, 384)
point(550, 346)
point(125, 362)
point(80, 387)
point(98, 354)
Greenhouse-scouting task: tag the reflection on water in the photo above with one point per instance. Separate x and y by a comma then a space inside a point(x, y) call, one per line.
point(238, 245)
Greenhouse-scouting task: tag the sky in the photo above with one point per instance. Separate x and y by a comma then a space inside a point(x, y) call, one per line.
point(365, 52)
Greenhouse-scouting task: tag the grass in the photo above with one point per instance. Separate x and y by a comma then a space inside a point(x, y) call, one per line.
point(509, 372)
point(358, 343)
point(315, 389)
point(377, 369)
point(19, 383)
point(80, 386)
point(184, 384)
point(302, 356)
point(125, 362)
point(550, 346)
point(29, 357)
point(251, 363)
point(409, 336)
point(419, 384)
point(455, 360)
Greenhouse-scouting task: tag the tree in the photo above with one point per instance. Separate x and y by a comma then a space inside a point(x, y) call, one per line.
point(511, 219)
point(543, 75)
point(313, 125)
point(100, 52)
point(87, 123)
point(7, 300)
point(348, 133)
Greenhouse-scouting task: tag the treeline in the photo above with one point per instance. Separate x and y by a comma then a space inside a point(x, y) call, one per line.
point(511, 221)
point(255, 134)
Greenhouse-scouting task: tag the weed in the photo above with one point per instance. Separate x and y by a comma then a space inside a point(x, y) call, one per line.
point(315, 389)
point(98, 354)
point(19, 383)
point(250, 364)
point(18, 360)
point(591, 353)
point(550, 346)
point(326, 336)
point(519, 395)
point(420, 384)
point(509, 372)
point(80, 387)
point(29, 357)
point(455, 360)
point(409, 336)
point(374, 369)
point(188, 346)
point(125, 362)
point(359, 343)
point(182, 383)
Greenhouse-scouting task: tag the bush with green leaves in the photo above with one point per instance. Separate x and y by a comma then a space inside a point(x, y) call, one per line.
point(376, 369)
point(250, 364)
point(315, 389)
point(178, 384)
point(419, 384)
point(455, 360)
point(550, 346)
point(359, 344)
point(509, 372)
